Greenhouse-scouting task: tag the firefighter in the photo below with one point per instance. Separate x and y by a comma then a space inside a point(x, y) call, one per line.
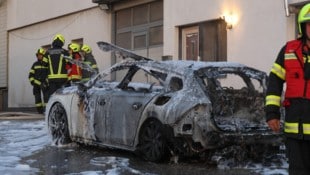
point(57, 72)
point(292, 67)
point(89, 59)
point(75, 72)
point(37, 77)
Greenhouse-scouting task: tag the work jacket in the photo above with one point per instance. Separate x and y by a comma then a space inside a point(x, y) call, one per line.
point(290, 68)
point(38, 73)
point(89, 60)
point(56, 63)
point(75, 73)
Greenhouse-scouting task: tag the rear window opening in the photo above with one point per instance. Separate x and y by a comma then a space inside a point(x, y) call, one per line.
point(237, 102)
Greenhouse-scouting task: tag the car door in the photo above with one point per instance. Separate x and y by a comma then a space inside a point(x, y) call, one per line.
point(101, 107)
point(124, 115)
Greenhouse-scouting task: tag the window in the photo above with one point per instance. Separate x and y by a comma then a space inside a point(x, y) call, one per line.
point(140, 15)
point(122, 17)
point(139, 80)
point(156, 35)
point(124, 40)
point(78, 41)
point(45, 47)
point(206, 41)
point(175, 84)
point(139, 40)
point(140, 27)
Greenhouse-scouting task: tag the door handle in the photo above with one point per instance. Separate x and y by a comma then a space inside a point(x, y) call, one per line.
point(136, 105)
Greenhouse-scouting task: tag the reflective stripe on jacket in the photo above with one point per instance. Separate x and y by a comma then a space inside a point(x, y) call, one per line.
point(38, 73)
point(297, 119)
point(60, 73)
point(293, 128)
point(57, 64)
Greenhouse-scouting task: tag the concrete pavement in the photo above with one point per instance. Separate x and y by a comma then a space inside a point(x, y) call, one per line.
point(19, 115)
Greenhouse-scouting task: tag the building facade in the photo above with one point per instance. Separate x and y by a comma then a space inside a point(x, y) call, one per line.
point(249, 32)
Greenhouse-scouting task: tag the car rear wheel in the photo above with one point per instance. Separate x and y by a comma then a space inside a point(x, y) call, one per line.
point(58, 125)
point(153, 145)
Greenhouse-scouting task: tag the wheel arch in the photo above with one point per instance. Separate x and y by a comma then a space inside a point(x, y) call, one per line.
point(153, 116)
point(57, 124)
point(145, 119)
point(50, 106)
point(65, 101)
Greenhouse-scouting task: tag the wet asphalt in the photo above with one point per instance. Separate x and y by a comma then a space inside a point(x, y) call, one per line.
point(81, 159)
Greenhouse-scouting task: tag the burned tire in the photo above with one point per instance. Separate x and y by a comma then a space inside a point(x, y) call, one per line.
point(58, 125)
point(152, 142)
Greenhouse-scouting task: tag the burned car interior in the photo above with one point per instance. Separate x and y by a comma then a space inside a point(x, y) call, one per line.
point(236, 101)
point(129, 83)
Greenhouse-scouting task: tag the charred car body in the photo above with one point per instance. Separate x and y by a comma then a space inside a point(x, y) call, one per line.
point(164, 107)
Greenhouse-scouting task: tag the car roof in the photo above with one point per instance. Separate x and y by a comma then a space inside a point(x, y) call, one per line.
point(180, 66)
point(195, 65)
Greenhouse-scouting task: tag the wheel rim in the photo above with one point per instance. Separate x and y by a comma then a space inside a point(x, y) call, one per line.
point(58, 125)
point(152, 142)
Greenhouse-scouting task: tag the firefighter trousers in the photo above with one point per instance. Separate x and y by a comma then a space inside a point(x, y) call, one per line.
point(298, 153)
point(40, 104)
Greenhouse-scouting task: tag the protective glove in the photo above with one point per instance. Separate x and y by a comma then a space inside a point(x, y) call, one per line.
point(44, 85)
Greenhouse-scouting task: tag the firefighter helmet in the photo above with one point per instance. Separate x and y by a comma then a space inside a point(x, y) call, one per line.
point(40, 51)
point(74, 47)
point(304, 16)
point(60, 37)
point(86, 48)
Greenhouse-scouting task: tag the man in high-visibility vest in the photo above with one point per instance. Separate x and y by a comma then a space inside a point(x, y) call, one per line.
point(292, 67)
point(57, 72)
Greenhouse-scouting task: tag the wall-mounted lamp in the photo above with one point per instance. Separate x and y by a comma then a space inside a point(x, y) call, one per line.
point(230, 20)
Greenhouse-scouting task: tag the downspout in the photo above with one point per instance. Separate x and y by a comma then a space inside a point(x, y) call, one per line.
point(287, 11)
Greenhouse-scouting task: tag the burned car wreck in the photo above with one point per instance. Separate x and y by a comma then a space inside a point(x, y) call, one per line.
point(163, 108)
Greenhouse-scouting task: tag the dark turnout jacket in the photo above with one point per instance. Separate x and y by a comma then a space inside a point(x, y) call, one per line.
point(56, 64)
point(38, 73)
point(90, 60)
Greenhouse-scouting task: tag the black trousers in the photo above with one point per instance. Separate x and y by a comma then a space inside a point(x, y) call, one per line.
point(298, 153)
point(53, 86)
point(40, 104)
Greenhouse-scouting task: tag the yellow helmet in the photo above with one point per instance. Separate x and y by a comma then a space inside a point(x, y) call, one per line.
point(40, 51)
point(74, 47)
point(304, 16)
point(60, 37)
point(86, 48)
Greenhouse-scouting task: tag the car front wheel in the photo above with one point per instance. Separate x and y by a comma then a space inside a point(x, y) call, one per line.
point(152, 142)
point(58, 125)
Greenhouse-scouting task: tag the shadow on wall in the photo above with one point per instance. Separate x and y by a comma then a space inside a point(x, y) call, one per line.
point(3, 99)
point(4, 103)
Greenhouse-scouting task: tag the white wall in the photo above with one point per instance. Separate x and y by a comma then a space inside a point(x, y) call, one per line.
point(92, 25)
point(260, 33)
point(261, 30)
point(3, 45)
point(27, 12)
point(255, 40)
